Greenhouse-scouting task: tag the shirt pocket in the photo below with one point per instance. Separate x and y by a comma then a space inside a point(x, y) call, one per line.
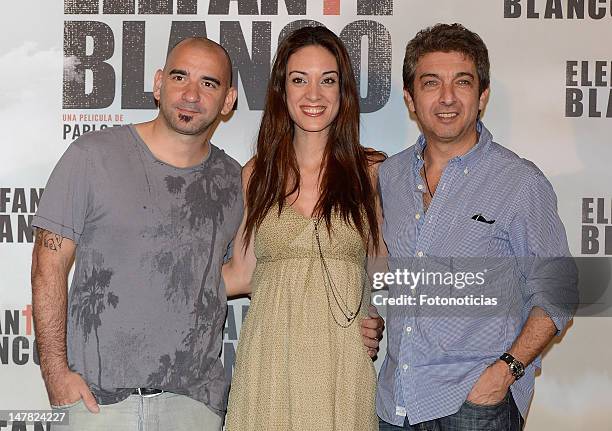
point(469, 248)
point(473, 238)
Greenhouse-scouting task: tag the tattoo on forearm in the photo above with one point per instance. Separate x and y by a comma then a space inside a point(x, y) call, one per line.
point(49, 240)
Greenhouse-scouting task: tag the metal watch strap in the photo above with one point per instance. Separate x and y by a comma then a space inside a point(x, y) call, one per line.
point(517, 368)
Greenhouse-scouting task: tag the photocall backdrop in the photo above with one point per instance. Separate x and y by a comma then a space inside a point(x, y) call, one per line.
point(84, 65)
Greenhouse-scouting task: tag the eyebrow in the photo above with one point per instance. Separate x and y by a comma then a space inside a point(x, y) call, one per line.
point(205, 77)
point(457, 75)
point(305, 73)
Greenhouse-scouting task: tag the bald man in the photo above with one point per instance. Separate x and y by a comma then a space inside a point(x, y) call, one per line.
point(147, 211)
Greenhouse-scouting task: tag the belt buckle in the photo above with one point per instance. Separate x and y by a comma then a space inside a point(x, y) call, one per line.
point(148, 395)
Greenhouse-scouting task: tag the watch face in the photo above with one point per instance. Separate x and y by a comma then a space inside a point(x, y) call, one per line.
point(516, 369)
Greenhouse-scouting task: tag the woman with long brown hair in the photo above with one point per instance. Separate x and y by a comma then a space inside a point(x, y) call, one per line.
point(311, 216)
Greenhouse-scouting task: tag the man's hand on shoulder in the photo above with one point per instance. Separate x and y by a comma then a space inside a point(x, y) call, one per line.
point(492, 386)
point(67, 387)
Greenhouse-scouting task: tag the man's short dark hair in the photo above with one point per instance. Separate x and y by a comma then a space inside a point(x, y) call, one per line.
point(446, 38)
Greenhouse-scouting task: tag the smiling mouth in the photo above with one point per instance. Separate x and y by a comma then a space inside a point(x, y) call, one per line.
point(313, 111)
point(447, 115)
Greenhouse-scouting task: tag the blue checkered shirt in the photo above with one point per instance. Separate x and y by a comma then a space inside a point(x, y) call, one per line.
point(432, 362)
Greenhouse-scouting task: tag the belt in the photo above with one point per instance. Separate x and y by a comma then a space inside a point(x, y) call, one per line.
point(147, 392)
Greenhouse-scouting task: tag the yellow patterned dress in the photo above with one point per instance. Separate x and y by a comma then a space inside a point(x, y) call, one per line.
point(297, 368)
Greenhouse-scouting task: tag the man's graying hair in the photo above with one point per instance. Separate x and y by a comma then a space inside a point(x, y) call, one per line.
point(446, 38)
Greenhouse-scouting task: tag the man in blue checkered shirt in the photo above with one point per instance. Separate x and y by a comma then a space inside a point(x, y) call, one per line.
point(462, 356)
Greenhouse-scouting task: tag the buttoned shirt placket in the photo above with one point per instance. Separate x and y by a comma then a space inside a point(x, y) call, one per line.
point(425, 223)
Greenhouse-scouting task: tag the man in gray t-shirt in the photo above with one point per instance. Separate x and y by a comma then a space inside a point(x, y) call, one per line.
point(147, 212)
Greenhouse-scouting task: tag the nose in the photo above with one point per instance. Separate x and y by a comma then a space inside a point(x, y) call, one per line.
point(447, 94)
point(313, 91)
point(191, 92)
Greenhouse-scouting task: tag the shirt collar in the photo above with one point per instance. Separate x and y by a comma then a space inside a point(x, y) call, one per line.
point(466, 161)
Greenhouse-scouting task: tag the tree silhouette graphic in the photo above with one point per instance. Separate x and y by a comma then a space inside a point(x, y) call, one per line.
point(91, 301)
point(205, 200)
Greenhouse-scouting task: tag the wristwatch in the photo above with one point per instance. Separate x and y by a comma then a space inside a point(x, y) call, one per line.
point(517, 369)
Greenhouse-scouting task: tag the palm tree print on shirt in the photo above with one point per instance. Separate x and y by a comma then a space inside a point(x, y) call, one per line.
point(92, 297)
point(203, 209)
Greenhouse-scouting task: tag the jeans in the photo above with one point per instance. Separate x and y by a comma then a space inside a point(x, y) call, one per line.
point(163, 412)
point(504, 416)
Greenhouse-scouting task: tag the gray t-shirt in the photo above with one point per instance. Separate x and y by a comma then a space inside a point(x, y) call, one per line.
point(145, 308)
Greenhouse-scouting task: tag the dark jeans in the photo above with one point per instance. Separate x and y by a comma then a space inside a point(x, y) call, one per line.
point(504, 416)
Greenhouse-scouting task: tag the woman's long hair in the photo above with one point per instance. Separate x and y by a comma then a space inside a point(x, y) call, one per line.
point(345, 183)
